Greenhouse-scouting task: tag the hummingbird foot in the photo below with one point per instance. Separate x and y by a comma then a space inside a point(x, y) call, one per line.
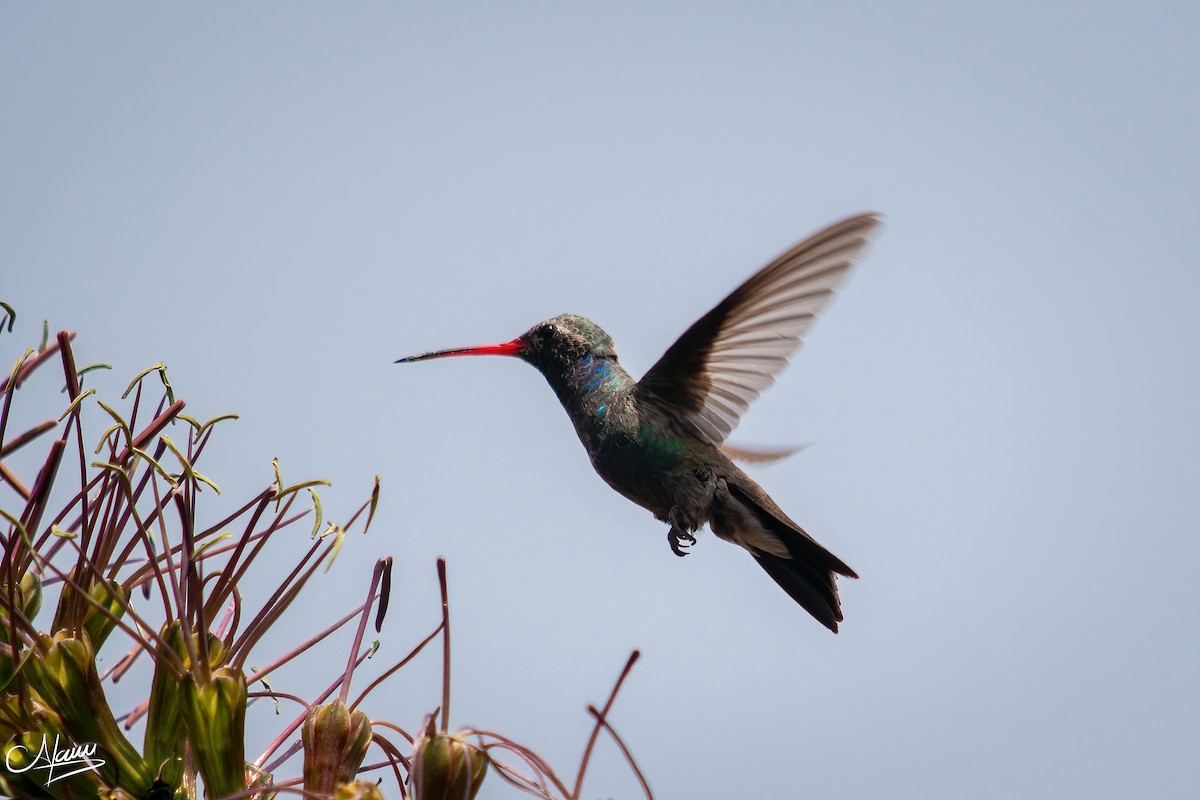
point(680, 541)
point(678, 537)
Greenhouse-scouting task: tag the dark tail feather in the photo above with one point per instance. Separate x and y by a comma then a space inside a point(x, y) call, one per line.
point(802, 546)
point(809, 575)
point(810, 586)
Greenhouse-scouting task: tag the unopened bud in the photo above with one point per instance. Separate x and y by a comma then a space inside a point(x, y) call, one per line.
point(26, 598)
point(335, 743)
point(30, 596)
point(447, 767)
point(112, 598)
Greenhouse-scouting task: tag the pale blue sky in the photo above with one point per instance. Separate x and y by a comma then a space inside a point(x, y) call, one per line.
point(278, 200)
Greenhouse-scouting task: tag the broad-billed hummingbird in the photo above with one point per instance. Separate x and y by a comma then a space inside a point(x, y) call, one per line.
point(660, 441)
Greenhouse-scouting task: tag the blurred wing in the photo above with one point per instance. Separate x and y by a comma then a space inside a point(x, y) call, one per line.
point(716, 369)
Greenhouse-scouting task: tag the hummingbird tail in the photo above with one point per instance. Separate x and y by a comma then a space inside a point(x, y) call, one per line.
point(813, 587)
point(797, 562)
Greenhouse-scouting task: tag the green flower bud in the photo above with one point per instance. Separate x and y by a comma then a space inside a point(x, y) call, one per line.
point(112, 598)
point(30, 595)
point(75, 613)
point(27, 597)
point(335, 743)
point(63, 674)
point(215, 715)
point(446, 767)
point(165, 731)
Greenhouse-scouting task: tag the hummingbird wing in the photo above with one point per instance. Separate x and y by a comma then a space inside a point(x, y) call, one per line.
point(717, 368)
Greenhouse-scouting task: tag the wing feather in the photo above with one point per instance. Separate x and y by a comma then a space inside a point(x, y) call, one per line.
point(721, 364)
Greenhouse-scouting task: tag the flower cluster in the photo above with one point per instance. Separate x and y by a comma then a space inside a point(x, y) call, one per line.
point(108, 547)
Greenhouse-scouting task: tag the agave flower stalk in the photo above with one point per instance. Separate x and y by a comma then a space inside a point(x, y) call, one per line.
point(129, 530)
point(111, 547)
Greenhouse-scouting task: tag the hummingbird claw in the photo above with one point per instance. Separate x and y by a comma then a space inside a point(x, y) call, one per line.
point(680, 541)
point(679, 537)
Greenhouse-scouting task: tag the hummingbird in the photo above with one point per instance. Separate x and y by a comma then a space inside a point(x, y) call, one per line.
point(660, 441)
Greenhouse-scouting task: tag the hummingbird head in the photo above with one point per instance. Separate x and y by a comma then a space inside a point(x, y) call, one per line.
point(565, 340)
point(552, 346)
